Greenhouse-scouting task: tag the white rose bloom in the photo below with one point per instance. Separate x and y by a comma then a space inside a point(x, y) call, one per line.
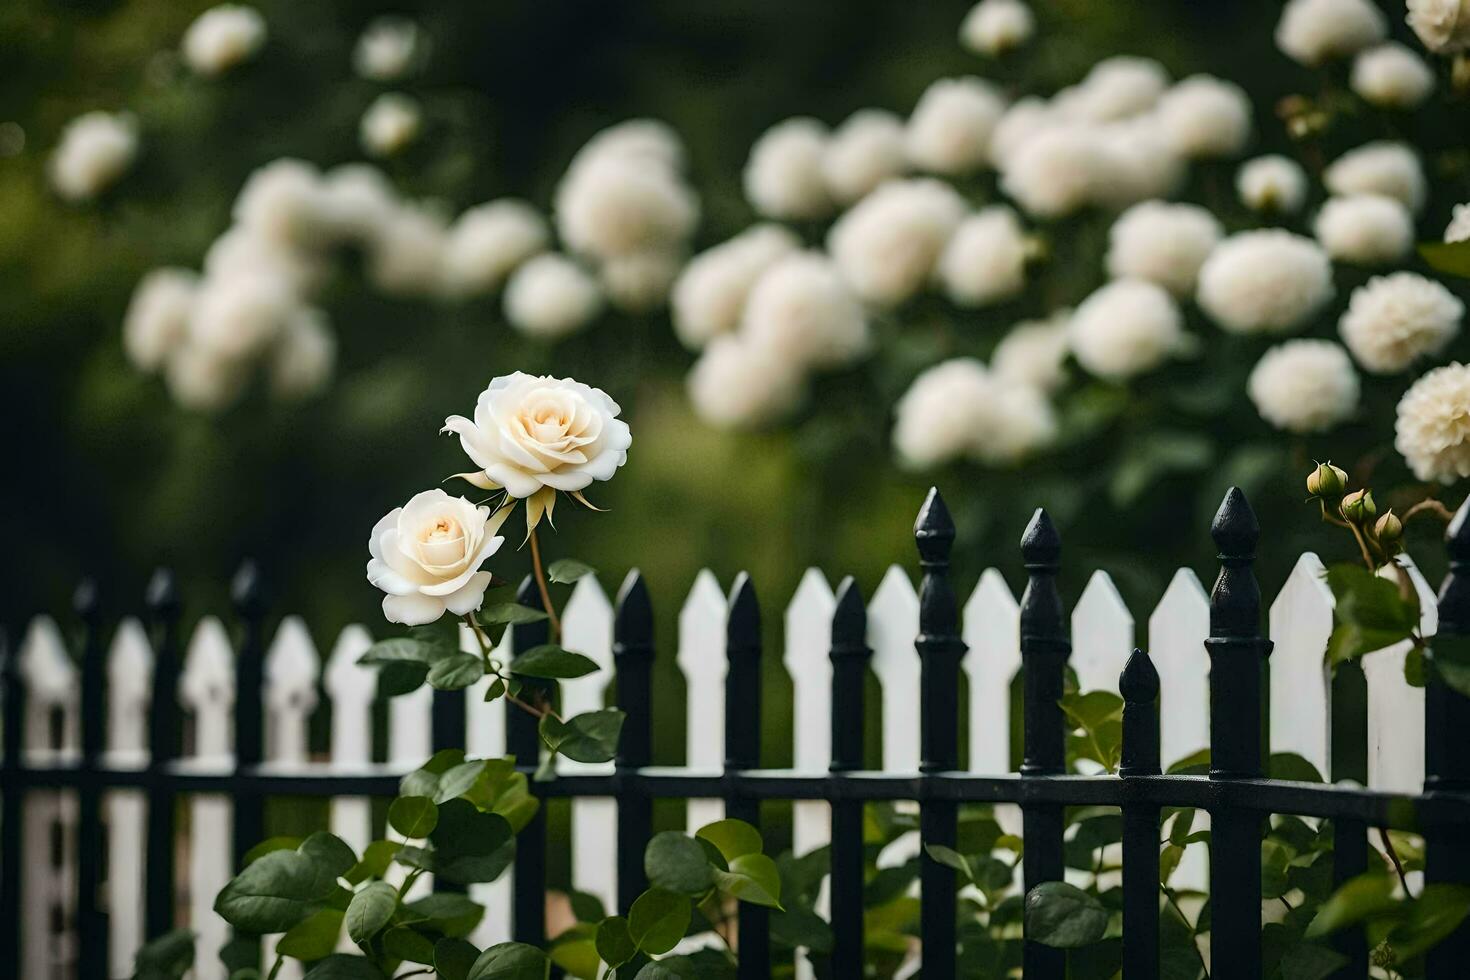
point(406, 256)
point(985, 260)
point(304, 356)
point(1432, 430)
point(534, 436)
point(361, 200)
point(240, 253)
point(1115, 88)
point(994, 27)
point(1204, 116)
point(949, 130)
point(426, 555)
point(649, 141)
point(617, 203)
point(1025, 118)
point(551, 296)
point(96, 149)
point(487, 242)
point(287, 201)
point(1272, 183)
point(390, 124)
point(1443, 25)
point(958, 410)
point(1024, 423)
point(1034, 353)
point(1163, 243)
point(1365, 229)
point(1057, 171)
point(389, 49)
point(204, 380)
point(157, 321)
point(1458, 230)
point(1135, 163)
point(223, 37)
point(1381, 167)
point(739, 385)
point(1392, 77)
point(1125, 328)
point(1314, 31)
point(886, 245)
point(1396, 319)
point(1265, 281)
point(239, 316)
point(866, 150)
point(1304, 386)
point(783, 177)
point(801, 310)
point(639, 283)
point(709, 295)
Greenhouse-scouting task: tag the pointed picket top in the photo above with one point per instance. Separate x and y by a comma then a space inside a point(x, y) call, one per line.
point(49, 673)
point(1139, 683)
point(207, 688)
point(701, 658)
point(129, 686)
point(1457, 534)
point(1102, 634)
point(807, 658)
point(992, 631)
point(1177, 629)
point(344, 679)
point(1428, 606)
point(292, 667)
point(1300, 625)
point(893, 622)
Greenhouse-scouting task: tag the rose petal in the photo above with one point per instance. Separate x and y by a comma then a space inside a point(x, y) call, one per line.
point(412, 610)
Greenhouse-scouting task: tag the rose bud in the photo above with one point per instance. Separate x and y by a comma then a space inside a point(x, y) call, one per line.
point(1358, 506)
point(1389, 529)
point(1327, 481)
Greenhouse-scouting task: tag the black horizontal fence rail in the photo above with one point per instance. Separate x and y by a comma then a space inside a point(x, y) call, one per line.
point(1235, 792)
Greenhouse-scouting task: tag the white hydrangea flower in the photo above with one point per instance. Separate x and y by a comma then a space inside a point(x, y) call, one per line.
point(1458, 230)
point(1391, 76)
point(783, 177)
point(1394, 320)
point(1380, 167)
point(201, 379)
point(1136, 162)
point(1365, 229)
point(1057, 171)
point(1034, 352)
point(1115, 88)
point(287, 201)
point(958, 410)
point(1126, 328)
point(157, 321)
point(649, 141)
point(361, 200)
point(887, 244)
point(985, 260)
point(390, 124)
point(223, 37)
point(389, 49)
point(866, 150)
point(1443, 25)
point(639, 282)
point(709, 296)
point(1204, 116)
point(1163, 243)
point(1025, 118)
point(96, 149)
point(801, 310)
point(993, 27)
point(617, 203)
point(1272, 183)
point(304, 356)
point(237, 317)
point(487, 242)
point(1265, 281)
point(1432, 429)
point(551, 296)
point(1304, 386)
point(949, 130)
point(1314, 31)
point(241, 252)
point(406, 256)
point(738, 385)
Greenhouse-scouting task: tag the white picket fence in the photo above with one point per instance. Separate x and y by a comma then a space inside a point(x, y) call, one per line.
point(1103, 631)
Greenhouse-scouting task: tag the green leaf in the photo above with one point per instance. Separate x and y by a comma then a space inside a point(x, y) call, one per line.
point(458, 780)
point(588, 737)
point(657, 920)
point(1370, 601)
point(401, 678)
point(950, 858)
point(275, 893)
point(471, 845)
point(1451, 258)
point(510, 614)
point(340, 966)
point(568, 570)
point(448, 913)
point(1437, 912)
point(331, 850)
point(424, 781)
point(1289, 765)
point(1356, 899)
point(370, 910)
point(375, 861)
point(170, 955)
point(677, 863)
point(550, 660)
point(1349, 642)
point(1194, 764)
point(799, 926)
point(1064, 916)
point(398, 649)
point(403, 943)
point(731, 838)
point(1308, 961)
point(314, 937)
point(1274, 860)
point(614, 942)
point(453, 958)
point(510, 961)
point(414, 817)
point(575, 951)
point(1449, 659)
point(494, 689)
point(457, 672)
point(271, 844)
point(588, 908)
point(752, 878)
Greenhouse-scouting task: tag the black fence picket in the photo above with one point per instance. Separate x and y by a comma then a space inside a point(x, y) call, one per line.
point(1236, 793)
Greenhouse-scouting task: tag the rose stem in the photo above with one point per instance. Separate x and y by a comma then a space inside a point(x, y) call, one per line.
point(545, 593)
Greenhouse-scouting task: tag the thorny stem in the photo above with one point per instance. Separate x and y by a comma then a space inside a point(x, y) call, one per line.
point(545, 592)
point(1393, 857)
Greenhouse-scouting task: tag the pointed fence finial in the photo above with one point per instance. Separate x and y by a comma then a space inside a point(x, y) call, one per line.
point(1041, 545)
point(85, 603)
point(934, 530)
point(850, 653)
point(1235, 529)
point(162, 596)
point(1139, 685)
point(247, 591)
point(1140, 680)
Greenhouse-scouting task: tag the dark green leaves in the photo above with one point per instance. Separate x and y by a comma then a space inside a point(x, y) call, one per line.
point(550, 660)
point(1097, 717)
point(588, 737)
point(614, 942)
point(469, 844)
point(276, 892)
point(314, 937)
point(657, 921)
point(510, 614)
point(1371, 612)
point(370, 910)
point(1064, 916)
point(168, 957)
point(677, 863)
point(510, 961)
point(568, 570)
point(413, 816)
point(340, 966)
point(456, 672)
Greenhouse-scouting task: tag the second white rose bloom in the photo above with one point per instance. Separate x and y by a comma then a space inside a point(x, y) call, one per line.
point(426, 556)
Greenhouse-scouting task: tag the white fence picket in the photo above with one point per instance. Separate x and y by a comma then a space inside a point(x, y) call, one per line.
point(351, 687)
point(1395, 709)
point(992, 631)
point(129, 683)
point(1102, 635)
point(893, 624)
point(1301, 622)
point(586, 628)
point(701, 658)
point(207, 691)
point(292, 667)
